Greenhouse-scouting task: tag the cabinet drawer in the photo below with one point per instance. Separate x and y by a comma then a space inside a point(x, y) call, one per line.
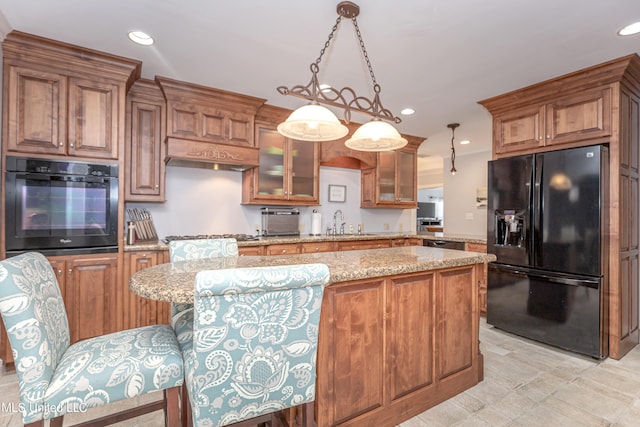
point(250, 250)
point(476, 247)
point(363, 244)
point(283, 249)
point(318, 247)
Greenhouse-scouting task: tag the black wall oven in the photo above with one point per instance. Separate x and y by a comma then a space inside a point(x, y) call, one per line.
point(60, 207)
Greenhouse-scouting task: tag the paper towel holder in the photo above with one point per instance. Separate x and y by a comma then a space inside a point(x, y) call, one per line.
point(316, 223)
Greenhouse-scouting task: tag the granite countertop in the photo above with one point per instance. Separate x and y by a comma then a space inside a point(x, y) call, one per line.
point(454, 237)
point(175, 281)
point(264, 241)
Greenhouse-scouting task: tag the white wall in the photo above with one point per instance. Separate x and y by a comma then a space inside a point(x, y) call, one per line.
point(201, 201)
point(461, 215)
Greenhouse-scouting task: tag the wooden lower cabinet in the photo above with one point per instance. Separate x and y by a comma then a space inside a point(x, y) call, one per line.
point(390, 348)
point(88, 284)
point(138, 311)
point(482, 280)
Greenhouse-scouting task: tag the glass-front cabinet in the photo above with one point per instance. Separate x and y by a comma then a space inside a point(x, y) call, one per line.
point(288, 170)
point(392, 183)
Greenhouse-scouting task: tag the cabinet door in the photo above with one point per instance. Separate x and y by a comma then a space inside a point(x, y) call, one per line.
point(303, 170)
point(457, 317)
point(93, 119)
point(91, 296)
point(351, 336)
point(37, 105)
point(141, 311)
point(406, 178)
point(410, 337)
point(579, 117)
point(387, 177)
point(145, 152)
point(519, 130)
point(271, 172)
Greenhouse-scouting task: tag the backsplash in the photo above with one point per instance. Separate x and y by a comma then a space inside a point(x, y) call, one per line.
point(202, 201)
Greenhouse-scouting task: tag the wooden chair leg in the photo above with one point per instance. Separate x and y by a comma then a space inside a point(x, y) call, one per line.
point(172, 407)
point(185, 406)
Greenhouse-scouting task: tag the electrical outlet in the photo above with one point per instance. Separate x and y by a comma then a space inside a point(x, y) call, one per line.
point(468, 216)
point(386, 227)
point(401, 226)
point(301, 227)
point(257, 228)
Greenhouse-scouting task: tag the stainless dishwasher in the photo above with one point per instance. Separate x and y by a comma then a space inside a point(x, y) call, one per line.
point(444, 244)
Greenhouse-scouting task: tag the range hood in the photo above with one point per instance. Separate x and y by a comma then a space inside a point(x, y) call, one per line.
point(189, 153)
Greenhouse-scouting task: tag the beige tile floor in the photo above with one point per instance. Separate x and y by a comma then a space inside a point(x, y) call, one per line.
point(526, 384)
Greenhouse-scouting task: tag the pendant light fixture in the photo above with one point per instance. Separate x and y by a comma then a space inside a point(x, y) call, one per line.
point(453, 127)
point(314, 122)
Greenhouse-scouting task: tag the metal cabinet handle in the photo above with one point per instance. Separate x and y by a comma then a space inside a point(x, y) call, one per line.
point(60, 144)
point(70, 271)
point(71, 145)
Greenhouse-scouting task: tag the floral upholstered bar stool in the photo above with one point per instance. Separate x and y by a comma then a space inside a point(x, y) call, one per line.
point(255, 338)
point(56, 378)
point(182, 314)
point(183, 250)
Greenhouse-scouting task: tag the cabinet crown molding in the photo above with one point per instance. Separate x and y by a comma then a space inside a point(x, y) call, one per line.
point(626, 68)
point(67, 58)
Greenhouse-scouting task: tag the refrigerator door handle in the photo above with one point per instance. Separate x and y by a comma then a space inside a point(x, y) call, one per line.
point(537, 210)
point(571, 281)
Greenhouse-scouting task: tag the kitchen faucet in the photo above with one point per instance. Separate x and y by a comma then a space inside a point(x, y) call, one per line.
point(335, 218)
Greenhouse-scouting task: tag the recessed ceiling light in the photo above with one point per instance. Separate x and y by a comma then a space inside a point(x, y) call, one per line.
point(407, 111)
point(141, 37)
point(630, 29)
point(465, 142)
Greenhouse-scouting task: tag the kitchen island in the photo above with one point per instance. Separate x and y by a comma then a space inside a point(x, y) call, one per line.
point(398, 331)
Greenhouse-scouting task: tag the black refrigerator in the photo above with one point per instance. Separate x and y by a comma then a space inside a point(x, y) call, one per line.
point(545, 224)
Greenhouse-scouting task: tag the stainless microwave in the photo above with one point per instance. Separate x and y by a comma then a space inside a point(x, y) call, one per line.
point(60, 207)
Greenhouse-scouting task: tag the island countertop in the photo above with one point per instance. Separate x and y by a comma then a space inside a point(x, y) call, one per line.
point(175, 281)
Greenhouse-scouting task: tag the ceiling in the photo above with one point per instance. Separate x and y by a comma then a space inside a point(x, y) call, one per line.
point(437, 56)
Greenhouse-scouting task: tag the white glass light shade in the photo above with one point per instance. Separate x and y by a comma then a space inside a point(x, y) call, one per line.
point(376, 135)
point(313, 122)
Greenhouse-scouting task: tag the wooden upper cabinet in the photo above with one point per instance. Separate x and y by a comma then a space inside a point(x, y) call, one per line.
point(568, 119)
point(93, 119)
point(204, 114)
point(583, 116)
point(393, 183)
point(37, 108)
point(63, 100)
point(144, 141)
point(288, 169)
point(518, 130)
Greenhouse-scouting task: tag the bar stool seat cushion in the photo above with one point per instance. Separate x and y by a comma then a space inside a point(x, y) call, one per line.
point(114, 367)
